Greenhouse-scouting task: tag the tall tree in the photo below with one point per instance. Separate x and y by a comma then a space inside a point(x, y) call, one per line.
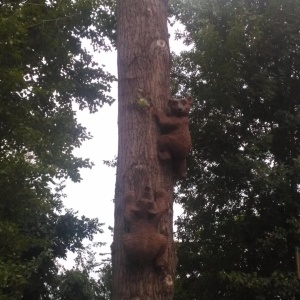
point(80, 282)
point(44, 72)
point(144, 186)
point(241, 222)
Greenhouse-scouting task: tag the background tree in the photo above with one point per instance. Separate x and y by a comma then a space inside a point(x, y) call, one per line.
point(45, 73)
point(81, 283)
point(144, 81)
point(241, 222)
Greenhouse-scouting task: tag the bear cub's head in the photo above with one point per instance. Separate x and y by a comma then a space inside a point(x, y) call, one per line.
point(180, 107)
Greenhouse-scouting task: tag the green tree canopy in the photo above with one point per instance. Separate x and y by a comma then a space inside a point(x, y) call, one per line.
point(45, 74)
point(78, 284)
point(241, 222)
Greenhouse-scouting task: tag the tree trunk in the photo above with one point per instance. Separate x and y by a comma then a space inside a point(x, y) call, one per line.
point(142, 269)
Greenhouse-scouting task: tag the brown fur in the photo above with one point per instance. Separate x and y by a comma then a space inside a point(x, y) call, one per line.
point(143, 243)
point(175, 141)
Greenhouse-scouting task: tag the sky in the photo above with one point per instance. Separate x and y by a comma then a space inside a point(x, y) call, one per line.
point(93, 196)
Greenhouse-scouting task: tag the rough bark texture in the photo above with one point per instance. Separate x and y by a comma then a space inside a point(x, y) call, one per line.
point(144, 82)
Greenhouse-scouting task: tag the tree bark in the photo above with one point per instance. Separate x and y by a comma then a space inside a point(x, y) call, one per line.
point(144, 82)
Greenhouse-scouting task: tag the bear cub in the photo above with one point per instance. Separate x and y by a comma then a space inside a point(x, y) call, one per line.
point(175, 142)
point(143, 243)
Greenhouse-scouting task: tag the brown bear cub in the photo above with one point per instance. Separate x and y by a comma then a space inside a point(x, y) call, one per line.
point(143, 243)
point(175, 142)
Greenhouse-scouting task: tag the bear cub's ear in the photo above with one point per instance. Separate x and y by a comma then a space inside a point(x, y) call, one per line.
point(190, 99)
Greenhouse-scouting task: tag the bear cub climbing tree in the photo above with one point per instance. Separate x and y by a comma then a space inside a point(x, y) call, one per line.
point(143, 242)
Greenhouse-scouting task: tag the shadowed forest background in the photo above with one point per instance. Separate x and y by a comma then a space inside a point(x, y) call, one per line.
point(237, 236)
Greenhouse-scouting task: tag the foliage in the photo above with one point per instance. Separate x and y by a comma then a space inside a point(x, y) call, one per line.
point(45, 72)
point(105, 281)
point(77, 284)
point(241, 222)
point(80, 282)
